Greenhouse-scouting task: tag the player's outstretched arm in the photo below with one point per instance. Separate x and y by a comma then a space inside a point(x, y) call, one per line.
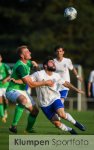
point(33, 84)
point(71, 86)
point(6, 79)
point(16, 81)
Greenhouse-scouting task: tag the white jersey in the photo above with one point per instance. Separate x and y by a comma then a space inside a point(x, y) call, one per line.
point(63, 67)
point(91, 77)
point(45, 94)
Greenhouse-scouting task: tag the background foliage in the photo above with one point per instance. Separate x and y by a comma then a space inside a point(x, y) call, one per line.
point(41, 25)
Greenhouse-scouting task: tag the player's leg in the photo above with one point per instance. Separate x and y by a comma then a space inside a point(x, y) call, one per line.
point(5, 102)
point(1, 107)
point(33, 109)
point(60, 111)
point(93, 90)
point(32, 118)
point(63, 94)
point(23, 102)
point(62, 126)
point(50, 113)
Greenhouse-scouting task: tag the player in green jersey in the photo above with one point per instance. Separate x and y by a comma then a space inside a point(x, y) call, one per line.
point(17, 92)
point(5, 72)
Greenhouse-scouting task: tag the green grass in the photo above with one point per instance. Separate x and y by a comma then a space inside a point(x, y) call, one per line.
point(44, 126)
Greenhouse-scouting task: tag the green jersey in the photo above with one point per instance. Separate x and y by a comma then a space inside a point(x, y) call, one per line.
point(5, 71)
point(20, 70)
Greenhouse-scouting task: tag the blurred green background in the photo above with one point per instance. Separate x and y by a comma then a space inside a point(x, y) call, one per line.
point(40, 24)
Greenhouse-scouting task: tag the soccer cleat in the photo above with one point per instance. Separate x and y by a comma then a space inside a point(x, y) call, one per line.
point(73, 132)
point(13, 129)
point(29, 131)
point(80, 126)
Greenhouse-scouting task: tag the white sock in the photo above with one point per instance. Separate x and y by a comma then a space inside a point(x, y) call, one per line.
point(64, 127)
point(70, 118)
point(57, 116)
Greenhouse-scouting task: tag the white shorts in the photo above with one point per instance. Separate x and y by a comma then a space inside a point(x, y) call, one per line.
point(2, 92)
point(14, 94)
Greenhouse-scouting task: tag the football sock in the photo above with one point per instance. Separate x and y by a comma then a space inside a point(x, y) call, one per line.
point(18, 113)
point(31, 121)
point(1, 110)
point(5, 106)
point(64, 127)
point(70, 118)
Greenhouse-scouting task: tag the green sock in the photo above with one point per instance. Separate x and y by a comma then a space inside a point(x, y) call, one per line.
point(1, 110)
point(18, 113)
point(5, 107)
point(31, 121)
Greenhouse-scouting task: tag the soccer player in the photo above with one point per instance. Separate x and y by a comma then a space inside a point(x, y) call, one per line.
point(5, 72)
point(49, 97)
point(63, 65)
point(17, 93)
point(91, 84)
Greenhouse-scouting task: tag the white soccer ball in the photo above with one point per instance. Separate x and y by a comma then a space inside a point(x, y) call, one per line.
point(70, 13)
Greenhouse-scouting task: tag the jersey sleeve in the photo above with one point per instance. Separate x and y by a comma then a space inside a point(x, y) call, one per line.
point(70, 64)
point(8, 69)
point(21, 71)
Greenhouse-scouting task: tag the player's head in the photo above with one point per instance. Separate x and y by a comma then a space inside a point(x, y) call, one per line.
point(59, 50)
point(49, 64)
point(23, 52)
point(0, 58)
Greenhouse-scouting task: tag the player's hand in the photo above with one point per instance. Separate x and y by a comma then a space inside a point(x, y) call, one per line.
point(81, 92)
point(89, 94)
point(12, 79)
point(49, 83)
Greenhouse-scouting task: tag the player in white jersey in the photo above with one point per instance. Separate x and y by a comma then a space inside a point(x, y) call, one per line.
point(49, 97)
point(91, 84)
point(63, 65)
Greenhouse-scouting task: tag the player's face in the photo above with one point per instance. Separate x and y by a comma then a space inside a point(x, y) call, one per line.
point(51, 66)
point(60, 52)
point(26, 54)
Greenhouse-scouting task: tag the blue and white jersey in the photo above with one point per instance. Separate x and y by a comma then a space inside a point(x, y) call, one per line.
point(46, 94)
point(63, 67)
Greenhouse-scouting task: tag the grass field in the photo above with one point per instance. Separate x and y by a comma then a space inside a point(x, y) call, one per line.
point(43, 126)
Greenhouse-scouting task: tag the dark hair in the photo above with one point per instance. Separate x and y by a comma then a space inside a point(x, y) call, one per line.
point(57, 47)
point(46, 60)
point(19, 50)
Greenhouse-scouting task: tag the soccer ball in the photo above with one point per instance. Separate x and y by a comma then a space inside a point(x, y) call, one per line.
point(70, 13)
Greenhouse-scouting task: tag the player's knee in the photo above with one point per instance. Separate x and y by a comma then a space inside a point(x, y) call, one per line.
point(62, 115)
point(22, 100)
point(1, 99)
point(56, 123)
point(35, 111)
